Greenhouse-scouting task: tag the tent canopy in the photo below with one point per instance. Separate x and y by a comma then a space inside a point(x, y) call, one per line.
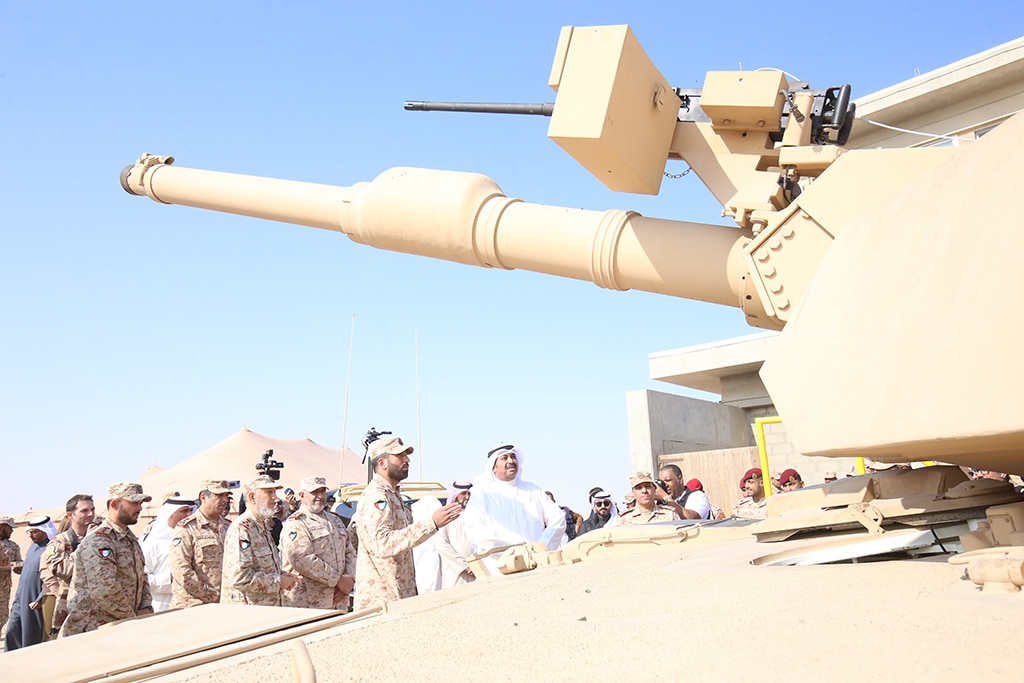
point(235, 458)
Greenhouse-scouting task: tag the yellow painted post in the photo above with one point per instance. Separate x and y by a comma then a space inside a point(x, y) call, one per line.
point(762, 451)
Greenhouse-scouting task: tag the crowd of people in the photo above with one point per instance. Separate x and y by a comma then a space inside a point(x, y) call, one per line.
point(294, 551)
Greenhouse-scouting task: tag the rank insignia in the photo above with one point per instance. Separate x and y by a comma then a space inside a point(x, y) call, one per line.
point(243, 544)
point(106, 552)
point(293, 535)
point(177, 541)
point(381, 505)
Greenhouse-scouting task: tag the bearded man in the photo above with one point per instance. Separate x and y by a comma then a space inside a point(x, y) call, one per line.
point(252, 573)
point(385, 569)
point(316, 547)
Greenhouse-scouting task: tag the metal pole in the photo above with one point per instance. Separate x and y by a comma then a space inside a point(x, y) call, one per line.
point(344, 419)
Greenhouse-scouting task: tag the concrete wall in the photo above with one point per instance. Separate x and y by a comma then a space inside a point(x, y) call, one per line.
point(661, 423)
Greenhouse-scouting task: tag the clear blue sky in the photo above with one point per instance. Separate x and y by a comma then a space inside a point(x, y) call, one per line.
point(135, 334)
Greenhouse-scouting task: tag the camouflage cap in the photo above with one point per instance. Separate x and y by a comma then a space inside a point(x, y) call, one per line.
point(640, 478)
point(310, 484)
point(389, 445)
point(215, 486)
point(261, 481)
point(8, 520)
point(129, 491)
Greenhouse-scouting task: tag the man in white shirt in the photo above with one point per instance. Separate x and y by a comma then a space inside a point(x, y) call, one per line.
point(505, 510)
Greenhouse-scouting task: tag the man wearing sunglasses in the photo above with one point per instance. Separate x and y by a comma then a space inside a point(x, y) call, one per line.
point(601, 511)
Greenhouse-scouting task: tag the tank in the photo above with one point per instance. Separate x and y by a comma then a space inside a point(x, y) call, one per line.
point(889, 271)
point(889, 275)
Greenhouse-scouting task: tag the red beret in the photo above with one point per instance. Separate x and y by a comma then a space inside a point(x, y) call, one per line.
point(789, 474)
point(752, 472)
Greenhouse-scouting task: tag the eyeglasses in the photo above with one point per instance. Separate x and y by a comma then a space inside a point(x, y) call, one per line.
point(602, 503)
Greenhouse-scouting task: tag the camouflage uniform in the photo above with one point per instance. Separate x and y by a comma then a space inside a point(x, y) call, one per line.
point(60, 558)
point(317, 548)
point(748, 508)
point(109, 581)
point(10, 553)
point(387, 535)
point(638, 516)
point(197, 553)
point(252, 563)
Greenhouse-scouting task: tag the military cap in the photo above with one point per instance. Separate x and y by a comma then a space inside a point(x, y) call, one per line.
point(752, 473)
point(261, 481)
point(310, 484)
point(8, 520)
point(215, 486)
point(389, 445)
point(640, 478)
point(129, 491)
point(788, 475)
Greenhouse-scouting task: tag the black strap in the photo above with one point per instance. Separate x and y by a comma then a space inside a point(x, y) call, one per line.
point(73, 537)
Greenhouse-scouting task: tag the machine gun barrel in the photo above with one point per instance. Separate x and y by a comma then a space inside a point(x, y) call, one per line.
point(534, 109)
point(466, 218)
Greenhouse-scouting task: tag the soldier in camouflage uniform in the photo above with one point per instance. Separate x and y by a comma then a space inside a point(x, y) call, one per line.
point(109, 581)
point(252, 564)
point(387, 534)
point(10, 554)
point(316, 546)
point(60, 553)
point(197, 548)
point(646, 510)
point(754, 505)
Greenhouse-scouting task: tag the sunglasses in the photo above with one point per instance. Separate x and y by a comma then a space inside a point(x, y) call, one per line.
point(602, 503)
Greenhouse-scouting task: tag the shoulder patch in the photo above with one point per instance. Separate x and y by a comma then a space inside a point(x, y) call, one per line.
point(105, 552)
point(51, 550)
point(176, 540)
point(243, 543)
point(381, 505)
point(293, 535)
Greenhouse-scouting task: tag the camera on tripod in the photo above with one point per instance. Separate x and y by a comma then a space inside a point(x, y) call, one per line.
point(270, 467)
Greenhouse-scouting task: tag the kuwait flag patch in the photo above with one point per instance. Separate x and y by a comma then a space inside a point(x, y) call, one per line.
point(106, 552)
point(381, 505)
point(243, 544)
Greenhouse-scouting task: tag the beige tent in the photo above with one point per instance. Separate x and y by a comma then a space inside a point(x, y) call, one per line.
point(235, 458)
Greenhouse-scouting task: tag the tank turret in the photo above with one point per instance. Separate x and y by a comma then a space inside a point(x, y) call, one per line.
point(890, 270)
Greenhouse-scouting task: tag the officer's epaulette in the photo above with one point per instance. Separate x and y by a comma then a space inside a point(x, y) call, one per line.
point(244, 524)
point(102, 532)
point(190, 518)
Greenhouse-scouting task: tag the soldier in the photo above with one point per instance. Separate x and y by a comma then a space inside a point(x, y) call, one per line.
point(60, 553)
point(646, 510)
point(109, 581)
point(316, 546)
point(753, 505)
point(197, 548)
point(252, 565)
point(10, 558)
point(387, 534)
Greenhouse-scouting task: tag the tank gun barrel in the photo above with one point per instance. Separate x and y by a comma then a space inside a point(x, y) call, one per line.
point(466, 218)
point(530, 109)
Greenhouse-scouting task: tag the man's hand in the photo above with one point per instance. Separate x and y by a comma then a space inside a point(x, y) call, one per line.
point(468, 573)
point(144, 610)
point(446, 515)
point(35, 605)
point(345, 584)
point(288, 580)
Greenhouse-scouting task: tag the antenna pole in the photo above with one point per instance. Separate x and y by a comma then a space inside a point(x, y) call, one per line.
point(344, 419)
point(419, 428)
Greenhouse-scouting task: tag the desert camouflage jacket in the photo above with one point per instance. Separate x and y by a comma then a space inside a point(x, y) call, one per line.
point(387, 535)
point(252, 564)
point(196, 554)
point(317, 548)
point(109, 581)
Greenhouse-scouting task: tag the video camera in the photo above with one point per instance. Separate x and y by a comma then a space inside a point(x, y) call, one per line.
point(269, 467)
